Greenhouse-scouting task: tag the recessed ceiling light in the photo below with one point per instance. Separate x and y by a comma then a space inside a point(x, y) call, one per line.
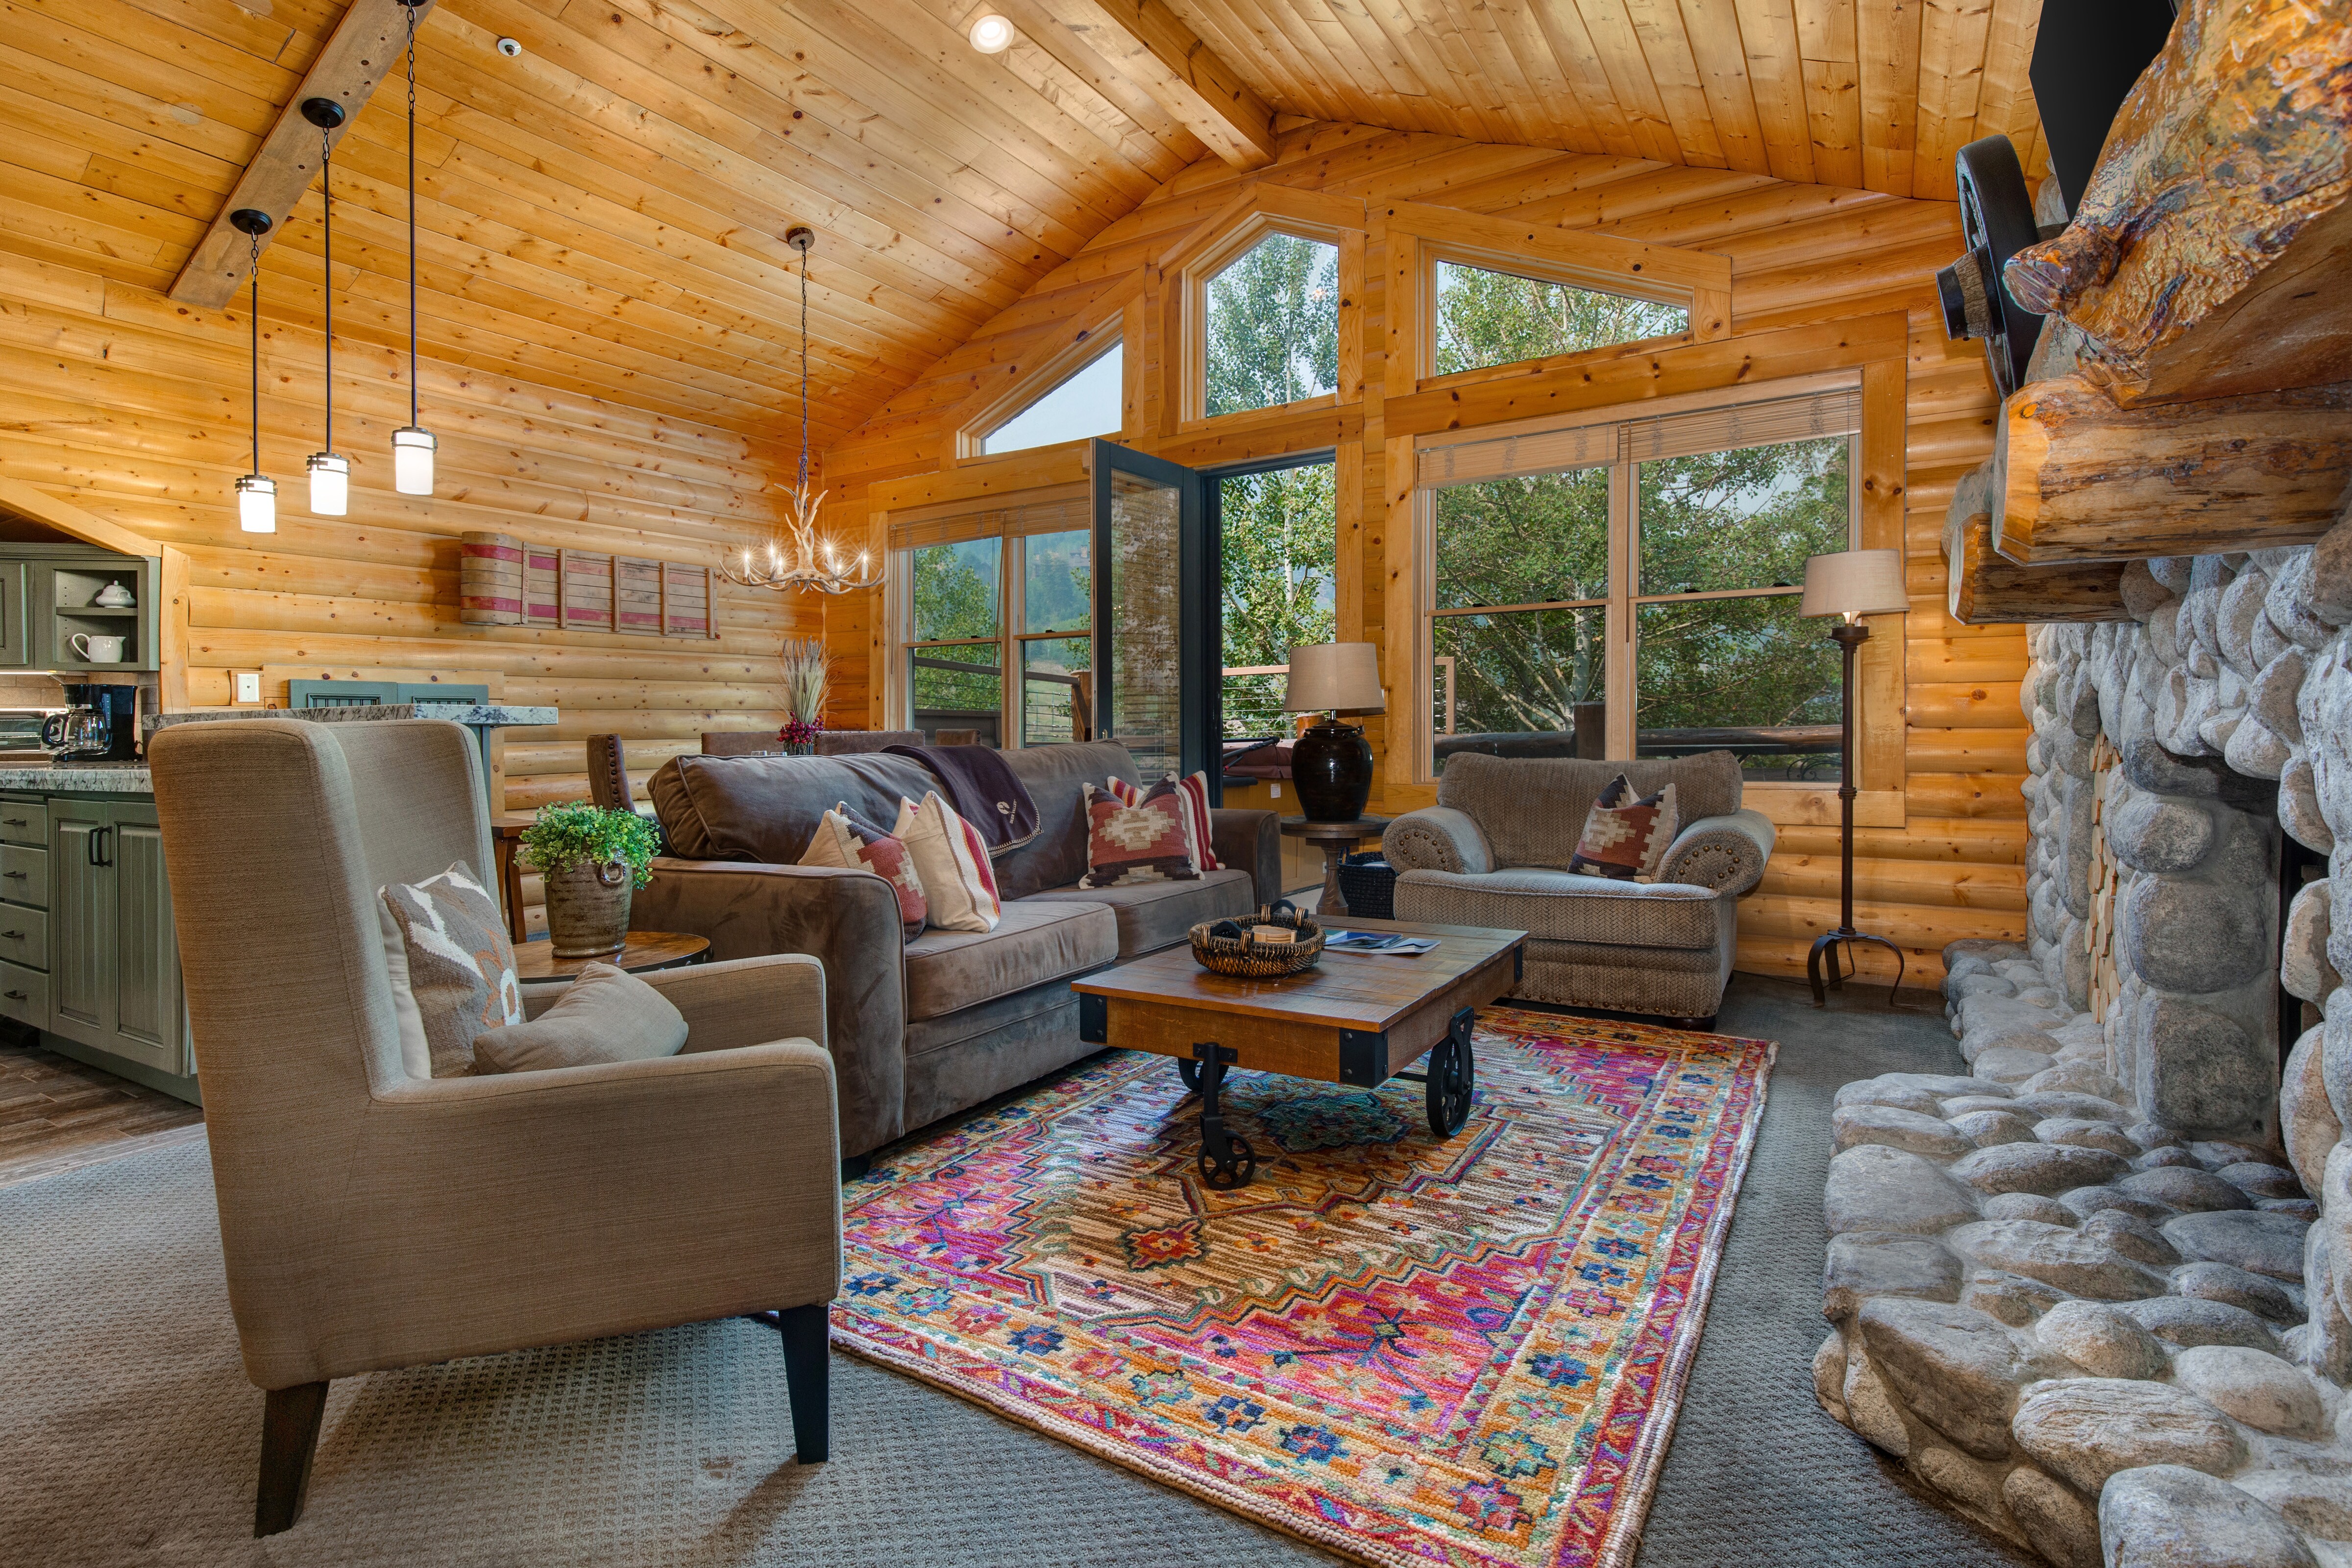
point(990, 34)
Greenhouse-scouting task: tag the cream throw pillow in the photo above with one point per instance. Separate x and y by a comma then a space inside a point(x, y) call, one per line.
point(605, 1015)
point(452, 970)
point(951, 861)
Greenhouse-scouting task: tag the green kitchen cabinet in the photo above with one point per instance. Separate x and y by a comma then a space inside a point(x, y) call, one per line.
point(114, 958)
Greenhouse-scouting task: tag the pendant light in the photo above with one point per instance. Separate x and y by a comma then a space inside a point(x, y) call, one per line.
point(412, 443)
point(256, 493)
point(331, 471)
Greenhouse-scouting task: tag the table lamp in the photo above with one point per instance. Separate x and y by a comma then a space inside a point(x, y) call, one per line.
point(1849, 584)
point(1331, 764)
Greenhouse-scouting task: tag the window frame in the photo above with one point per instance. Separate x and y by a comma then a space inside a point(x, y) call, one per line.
point(1539, 270)
point(1012, 611)
point(1623, 603)
point(1112, 320)
point(1191, 297)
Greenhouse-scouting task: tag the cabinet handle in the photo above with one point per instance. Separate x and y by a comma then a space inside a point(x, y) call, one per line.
point(17, 874)
point(12, 935)
point(12, 822)
point(106, 845)
point(14, 996)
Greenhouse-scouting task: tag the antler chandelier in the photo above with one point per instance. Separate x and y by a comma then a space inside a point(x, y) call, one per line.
point(799, 556)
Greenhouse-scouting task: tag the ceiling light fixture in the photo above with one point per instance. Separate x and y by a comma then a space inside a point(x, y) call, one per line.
point(331, 471)
point(412, 443)
point(800, 558)
point(256, 493)
point(990, 34)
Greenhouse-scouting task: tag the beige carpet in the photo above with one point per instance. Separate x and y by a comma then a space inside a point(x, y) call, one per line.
point(131, 1436)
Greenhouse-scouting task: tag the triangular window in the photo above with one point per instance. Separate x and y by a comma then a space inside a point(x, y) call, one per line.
point(1087, 402)
point(1486, 318)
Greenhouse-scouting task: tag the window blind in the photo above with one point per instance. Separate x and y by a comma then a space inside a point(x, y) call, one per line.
point(1837, 412)
point(1060, 509)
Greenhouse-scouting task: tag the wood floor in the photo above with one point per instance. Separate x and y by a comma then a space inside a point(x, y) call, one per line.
point(56, 1113)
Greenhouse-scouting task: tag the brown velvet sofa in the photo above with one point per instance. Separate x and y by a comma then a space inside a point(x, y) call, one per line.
point(921, 1030)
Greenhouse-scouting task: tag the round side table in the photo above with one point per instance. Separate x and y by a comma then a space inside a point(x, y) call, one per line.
point(1336, 839)
point(644, 950)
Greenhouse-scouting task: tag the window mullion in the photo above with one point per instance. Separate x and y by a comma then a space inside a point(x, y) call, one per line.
point(1617, 680)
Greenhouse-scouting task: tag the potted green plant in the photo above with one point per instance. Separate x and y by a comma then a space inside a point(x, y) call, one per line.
point(590, 861)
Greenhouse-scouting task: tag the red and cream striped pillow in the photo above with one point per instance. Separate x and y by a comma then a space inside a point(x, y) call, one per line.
point(951, 861)
point(1194, 794)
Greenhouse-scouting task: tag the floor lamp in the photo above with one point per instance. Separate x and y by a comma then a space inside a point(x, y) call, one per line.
point(1849, 584)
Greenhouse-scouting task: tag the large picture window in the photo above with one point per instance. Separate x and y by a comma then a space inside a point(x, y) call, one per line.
point(1631, 587)
point(996, 638)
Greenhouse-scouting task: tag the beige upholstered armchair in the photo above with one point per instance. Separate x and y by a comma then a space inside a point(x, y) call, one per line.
point(1495, 850)
point(372, 1220)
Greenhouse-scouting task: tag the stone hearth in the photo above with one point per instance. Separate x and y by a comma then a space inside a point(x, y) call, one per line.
point(2094, 1294)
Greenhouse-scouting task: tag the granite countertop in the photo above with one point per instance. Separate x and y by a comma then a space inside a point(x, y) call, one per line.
point(77, 778)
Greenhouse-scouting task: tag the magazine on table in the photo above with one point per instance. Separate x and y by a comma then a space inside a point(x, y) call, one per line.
point(1383, 942)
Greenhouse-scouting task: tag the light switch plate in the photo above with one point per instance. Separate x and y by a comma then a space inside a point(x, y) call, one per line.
point(248, 687)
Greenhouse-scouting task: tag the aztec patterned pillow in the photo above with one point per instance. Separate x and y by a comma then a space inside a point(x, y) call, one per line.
point(951, 862)
point(1625, 839)
point(1149, 841)
point(451, 969)
point(847, 839)
point(1195, 793)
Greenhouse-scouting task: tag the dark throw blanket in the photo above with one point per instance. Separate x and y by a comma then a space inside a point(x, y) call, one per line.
point(982, 790)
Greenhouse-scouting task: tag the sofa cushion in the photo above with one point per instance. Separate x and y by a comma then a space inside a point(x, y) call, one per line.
point(766, 809)
point(1156, 915)
point(1531, 809)
point(1564, 906)
point(1034, 942)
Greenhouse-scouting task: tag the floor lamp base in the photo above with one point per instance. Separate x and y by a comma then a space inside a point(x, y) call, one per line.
point(1827, 956)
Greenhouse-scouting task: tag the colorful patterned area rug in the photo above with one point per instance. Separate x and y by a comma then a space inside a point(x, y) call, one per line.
point(1413, 1353)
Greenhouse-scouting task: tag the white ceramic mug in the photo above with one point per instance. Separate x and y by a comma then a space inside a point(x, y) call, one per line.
point(97, 650)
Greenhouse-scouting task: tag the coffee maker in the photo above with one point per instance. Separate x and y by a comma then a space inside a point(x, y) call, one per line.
point(101, 724)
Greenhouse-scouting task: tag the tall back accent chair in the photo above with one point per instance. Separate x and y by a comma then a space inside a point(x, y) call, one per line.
point(608, 774)
point(371, 1218)
point(1495, 851)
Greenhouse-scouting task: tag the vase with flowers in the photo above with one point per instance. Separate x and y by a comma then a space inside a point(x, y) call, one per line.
point(807, 670)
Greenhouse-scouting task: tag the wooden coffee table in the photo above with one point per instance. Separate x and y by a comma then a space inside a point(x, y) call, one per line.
point(1356, 1019)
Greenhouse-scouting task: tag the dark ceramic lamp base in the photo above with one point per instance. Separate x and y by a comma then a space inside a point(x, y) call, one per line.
point(1331, 767)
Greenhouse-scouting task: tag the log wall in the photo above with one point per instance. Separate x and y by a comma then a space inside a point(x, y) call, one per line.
point(1945, 862)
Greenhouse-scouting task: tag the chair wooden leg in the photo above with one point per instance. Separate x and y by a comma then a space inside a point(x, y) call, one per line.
point(806, 1335)
point(289, 1437)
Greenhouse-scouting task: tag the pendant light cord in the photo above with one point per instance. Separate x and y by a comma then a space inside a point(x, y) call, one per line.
point(327, 199)
point(805, 422)
point(413, 419)
point(255, 312)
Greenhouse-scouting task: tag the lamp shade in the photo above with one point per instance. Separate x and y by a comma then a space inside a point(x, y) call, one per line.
point(1855, 582)
point(1343, 677)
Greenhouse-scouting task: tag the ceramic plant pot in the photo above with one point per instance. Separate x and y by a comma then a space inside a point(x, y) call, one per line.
point(588, 909)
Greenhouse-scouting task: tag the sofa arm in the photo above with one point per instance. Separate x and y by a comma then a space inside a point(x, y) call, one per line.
point(1726, 853)
point(1250, 840)
point(848, 921)
point(1437, 838)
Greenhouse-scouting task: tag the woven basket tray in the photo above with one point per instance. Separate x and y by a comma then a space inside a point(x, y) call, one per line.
point(1254, 960)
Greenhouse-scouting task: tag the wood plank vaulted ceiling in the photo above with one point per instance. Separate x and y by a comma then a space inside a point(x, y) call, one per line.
point(604, 212)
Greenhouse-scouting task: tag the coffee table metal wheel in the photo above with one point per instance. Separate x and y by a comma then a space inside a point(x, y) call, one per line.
point(1226, 1161)
point(1452, 1070)
point(1190, 1072)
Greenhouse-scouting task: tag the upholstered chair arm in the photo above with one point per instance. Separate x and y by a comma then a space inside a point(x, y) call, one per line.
point(1726, 853)
point(1437, 838)
point(746, 1002)
point(479, 1214)
point(848, 921)
point(1251, 840)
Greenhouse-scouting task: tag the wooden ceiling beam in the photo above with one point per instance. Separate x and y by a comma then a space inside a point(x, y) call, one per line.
point(1150, 45)
point(366, 46)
